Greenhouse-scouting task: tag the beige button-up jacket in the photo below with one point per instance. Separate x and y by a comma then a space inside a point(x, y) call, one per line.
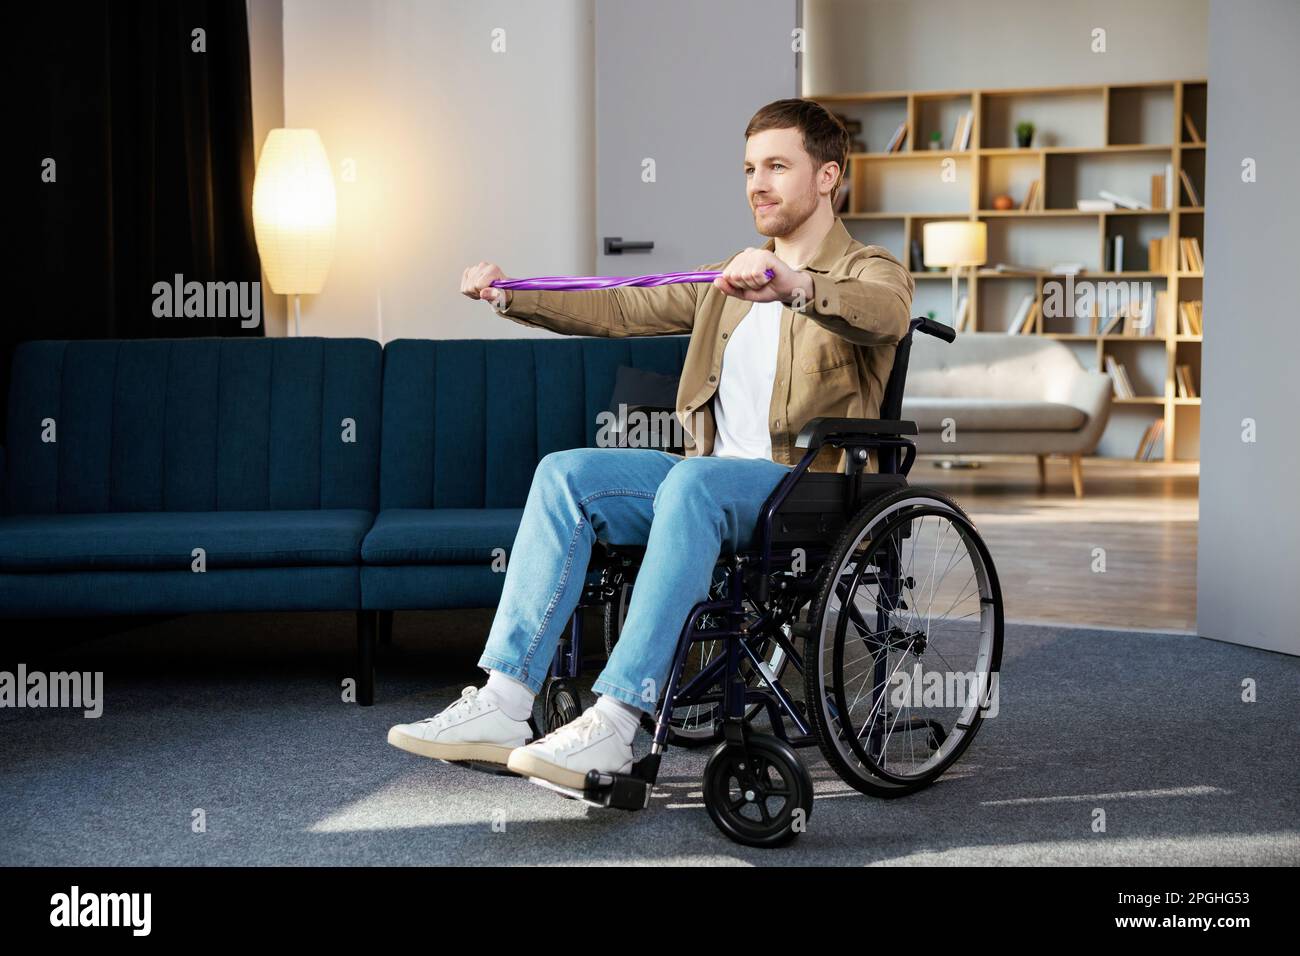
point(834, 357)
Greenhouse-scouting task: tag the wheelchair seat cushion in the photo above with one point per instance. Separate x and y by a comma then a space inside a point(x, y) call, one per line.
point(440, 535)
point(993, 414)
point(165, 540)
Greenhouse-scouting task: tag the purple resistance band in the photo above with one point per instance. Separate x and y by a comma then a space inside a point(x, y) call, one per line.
point(588, 283)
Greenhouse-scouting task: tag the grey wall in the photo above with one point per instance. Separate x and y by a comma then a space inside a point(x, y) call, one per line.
point(1248, 574)
point(862, 45)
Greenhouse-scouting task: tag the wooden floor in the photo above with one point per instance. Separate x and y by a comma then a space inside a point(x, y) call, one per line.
point(1143, 514)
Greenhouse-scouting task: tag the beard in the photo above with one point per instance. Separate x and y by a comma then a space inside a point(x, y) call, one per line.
point(788, 216)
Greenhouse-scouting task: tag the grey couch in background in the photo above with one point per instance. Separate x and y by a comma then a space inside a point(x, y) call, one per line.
point(989, 393)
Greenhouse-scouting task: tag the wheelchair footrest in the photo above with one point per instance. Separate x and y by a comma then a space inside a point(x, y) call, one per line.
point(615, 791)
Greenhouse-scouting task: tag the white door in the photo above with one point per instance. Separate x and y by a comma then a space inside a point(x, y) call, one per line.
point(676, 83)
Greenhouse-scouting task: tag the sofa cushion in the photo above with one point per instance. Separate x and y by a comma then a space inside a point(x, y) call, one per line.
point(440, 535)
point(992, 414)
point(165, 540)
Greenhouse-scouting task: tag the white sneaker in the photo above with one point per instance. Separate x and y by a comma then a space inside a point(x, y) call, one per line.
point(473, 728)
point(564, 756)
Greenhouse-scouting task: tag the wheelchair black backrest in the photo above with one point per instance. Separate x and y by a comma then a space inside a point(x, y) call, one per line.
point(819, 502)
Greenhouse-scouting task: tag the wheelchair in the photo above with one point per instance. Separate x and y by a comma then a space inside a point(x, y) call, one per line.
point(865, 619)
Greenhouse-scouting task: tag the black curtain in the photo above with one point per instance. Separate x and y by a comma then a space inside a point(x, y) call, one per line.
point(152, 141)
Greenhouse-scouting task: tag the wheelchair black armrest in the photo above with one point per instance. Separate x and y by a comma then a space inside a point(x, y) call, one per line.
point(818, 431)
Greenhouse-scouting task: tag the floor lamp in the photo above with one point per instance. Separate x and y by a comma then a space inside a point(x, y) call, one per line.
point(294, 214)
point(955, 245)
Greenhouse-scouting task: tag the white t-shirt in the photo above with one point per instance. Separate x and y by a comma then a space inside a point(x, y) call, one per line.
point(744, 393)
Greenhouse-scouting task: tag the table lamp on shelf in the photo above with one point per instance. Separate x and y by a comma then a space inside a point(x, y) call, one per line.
point(294, 214)
point(955, 245)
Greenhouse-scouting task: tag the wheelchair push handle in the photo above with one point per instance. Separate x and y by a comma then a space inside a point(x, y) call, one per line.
point(937, 329)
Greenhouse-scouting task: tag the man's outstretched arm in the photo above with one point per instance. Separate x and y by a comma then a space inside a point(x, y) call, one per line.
point(615, 313)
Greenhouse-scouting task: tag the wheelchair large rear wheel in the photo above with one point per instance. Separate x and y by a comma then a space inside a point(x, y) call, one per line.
point(905, 643)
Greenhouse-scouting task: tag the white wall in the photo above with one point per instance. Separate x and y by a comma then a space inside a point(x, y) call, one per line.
point(1248, 566)
point(862, 45)
point(461, 154)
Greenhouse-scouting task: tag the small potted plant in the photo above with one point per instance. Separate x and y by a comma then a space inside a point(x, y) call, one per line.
point(1024, 134)
point(936, 140)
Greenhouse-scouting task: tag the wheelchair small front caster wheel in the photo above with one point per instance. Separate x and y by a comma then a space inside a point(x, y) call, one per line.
point(758, 794)
point(562, 704)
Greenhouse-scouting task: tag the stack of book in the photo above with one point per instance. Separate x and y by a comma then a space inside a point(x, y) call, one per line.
point(1119, 378)
point(1193, 197)
point(1191, 255)
point(1189, 318)
point(1147, 446)
point(1183, 379)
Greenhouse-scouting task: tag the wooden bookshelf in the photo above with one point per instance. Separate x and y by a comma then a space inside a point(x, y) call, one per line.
point(1109, 136)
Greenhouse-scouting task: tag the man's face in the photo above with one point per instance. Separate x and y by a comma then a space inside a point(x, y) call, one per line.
point(781, 181)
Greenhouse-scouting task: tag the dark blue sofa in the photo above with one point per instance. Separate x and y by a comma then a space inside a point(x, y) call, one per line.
point(314, 474)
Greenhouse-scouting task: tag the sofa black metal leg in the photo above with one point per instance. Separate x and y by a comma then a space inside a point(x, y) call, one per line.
point(385, 628)
point(366, 627)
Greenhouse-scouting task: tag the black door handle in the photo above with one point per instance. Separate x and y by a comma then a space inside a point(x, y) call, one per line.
point(615, 246)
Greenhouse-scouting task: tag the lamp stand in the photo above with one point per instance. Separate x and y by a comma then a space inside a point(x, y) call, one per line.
point(956, 277)
point(297, 315)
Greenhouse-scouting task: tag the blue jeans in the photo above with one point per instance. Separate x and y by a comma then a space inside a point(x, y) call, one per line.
point(683, 510)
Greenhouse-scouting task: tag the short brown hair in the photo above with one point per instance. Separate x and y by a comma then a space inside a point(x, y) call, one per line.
point(824, 137)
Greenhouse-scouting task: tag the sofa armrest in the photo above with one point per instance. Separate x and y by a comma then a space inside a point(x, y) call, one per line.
point(1090, 392)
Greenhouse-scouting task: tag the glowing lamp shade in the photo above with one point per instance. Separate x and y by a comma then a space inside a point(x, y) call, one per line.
point(955, 244)
point(294, 211)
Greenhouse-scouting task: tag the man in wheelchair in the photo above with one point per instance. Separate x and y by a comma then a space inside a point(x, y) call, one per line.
point(815, 344)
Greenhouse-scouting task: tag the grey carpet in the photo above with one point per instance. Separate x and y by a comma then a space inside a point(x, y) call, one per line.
point(240, 715)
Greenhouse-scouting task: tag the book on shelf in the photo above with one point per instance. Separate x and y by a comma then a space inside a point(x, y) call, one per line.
point(1192, 131)
point(1161, 321)
point(898, 139)
point(1193, 197)
point(1066, 268)
point(1119, 378)
point(1113, 324)
point(1185, 382)
point(1157, 191)
point(1031, 323)
point(1160, 256)
point(1169, 186)
point(961, 131)
point(1147, 446)
point(1013, 269)
point(1115, 248)
point(1140, 316)
point(1095, 205)
point(1033, 199)
point(1189, 318)
point(1191, 255)
point(1127, 202)
point(918, 256)
point(1021, 316)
